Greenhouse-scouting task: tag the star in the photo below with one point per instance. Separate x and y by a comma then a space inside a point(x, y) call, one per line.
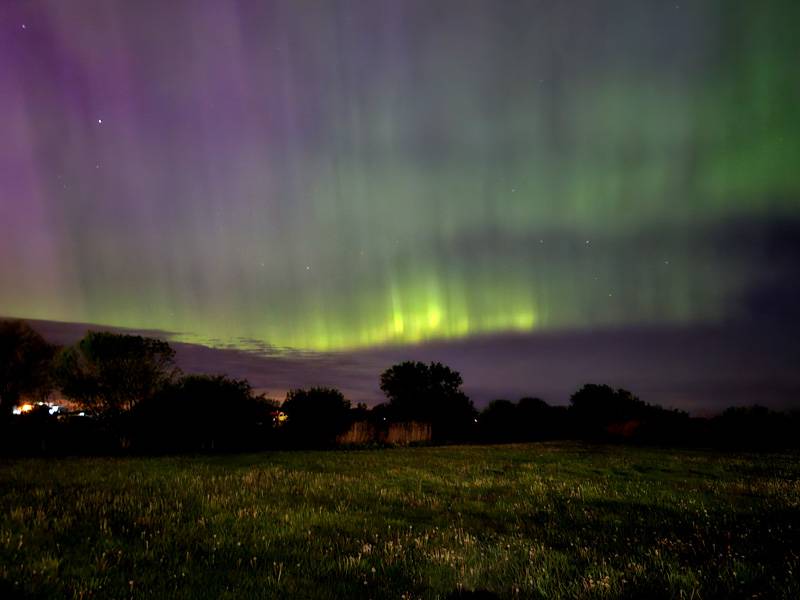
point(99, 121)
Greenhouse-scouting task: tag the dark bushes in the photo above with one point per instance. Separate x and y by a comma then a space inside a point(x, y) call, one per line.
point(530, 419)
point(315, 417)
point(129, 396)
point(200, 412)
point(430, 393)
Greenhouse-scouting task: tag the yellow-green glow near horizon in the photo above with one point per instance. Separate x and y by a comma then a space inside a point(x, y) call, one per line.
point(355, 174)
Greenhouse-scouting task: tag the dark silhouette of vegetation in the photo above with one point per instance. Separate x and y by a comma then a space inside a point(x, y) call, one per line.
point(599, 409)
point(754, 427)
point(131, 398)
point(315, 416)
point(602, 413)
point(431, 393)
point(530, 419)
point(203, 412)
point(498, 422)
point(111, 373)
point(540, 421)
point(25, 361)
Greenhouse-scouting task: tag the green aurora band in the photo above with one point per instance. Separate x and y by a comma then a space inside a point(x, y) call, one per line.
point(300, 179)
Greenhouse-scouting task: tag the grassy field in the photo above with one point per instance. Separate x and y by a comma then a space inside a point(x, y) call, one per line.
point(528, 521)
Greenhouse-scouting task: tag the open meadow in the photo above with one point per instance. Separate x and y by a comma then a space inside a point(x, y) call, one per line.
point(534, 520)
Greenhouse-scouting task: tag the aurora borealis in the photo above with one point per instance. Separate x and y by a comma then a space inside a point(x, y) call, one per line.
point(344, 176)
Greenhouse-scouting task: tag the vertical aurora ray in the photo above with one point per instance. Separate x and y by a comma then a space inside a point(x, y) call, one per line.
point(353, 174)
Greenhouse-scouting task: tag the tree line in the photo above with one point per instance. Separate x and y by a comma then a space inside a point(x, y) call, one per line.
point(126, 393)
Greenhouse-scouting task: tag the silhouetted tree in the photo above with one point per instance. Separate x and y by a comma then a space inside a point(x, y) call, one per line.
point(498, 422)
point(360, 412)
point(25, 364)
point(538, 420)
point(380, 414)
point(316, 416)
point(527, 420)
point(600, 411)
point(598, 408)
point(111, 373)
point(203, 412)
point(432, 393)
point(755, 427)
point(603, 404)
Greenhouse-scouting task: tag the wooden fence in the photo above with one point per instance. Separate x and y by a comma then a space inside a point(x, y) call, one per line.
point(398, 434)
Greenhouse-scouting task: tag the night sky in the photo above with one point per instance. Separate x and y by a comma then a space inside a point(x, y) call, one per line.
point(539, 193)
